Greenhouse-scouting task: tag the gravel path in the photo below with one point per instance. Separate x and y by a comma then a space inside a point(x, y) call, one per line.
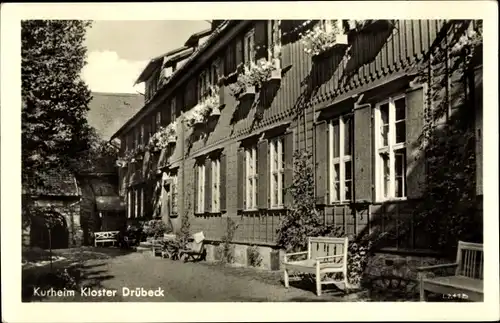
point(183, 282)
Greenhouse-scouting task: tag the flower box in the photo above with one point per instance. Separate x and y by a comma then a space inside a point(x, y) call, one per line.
point(248, 91)
point(275, 76)
point(215, 112)
point(171, 140)
point(323, 40)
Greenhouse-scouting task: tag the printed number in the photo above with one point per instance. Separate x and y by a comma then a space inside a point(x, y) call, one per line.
point(459, 296)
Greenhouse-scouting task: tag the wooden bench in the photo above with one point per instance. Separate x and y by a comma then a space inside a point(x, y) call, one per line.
point(106, 236)
point(467, 281)
point(324, 255)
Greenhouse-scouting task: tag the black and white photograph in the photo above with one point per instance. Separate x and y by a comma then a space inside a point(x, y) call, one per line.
point(185, 160)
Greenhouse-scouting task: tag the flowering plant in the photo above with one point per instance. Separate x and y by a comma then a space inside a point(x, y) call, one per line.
point(126, 159)
point(467, 41)
point(203, 109)
point(161, 138)
point(321, 38)
point(253, 75)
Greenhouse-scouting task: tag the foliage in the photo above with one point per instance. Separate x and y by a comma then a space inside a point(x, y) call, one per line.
point(163, 137)
point(253, 75)
point(357, 259)
point(302, 220)
point(447, 212)
point(185, 230)
point(154, 228)
point(359, 25)
point(320, 38)
point(68, 278)
point(55, 99)
point(227, 249)
point(254, 257)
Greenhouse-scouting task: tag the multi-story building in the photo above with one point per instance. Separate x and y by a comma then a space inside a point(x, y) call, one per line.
point(360, 104)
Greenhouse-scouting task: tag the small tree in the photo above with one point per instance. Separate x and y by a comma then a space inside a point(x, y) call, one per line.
point(302, 220)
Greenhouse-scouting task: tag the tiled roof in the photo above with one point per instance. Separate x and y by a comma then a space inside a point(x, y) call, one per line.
point(109, 111)
point(55, 185)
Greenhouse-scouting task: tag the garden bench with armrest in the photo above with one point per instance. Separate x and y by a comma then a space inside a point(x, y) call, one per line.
point(195, 249)
point(324, 255)
point(465, 283)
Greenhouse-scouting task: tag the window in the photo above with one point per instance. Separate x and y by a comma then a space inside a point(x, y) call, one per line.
point(340, 159)
point(173, 110)
point(200, 190)
point(248, 47)
point(136, 138)
point(141, 136)
point(277, 162)
point(136, 203)
point(173, 176)
point(142, 202)
point(158, 120)
point(275, 40)
point(201, 86)
point(129, 204)
point(214, 73)
point(215, 187)
point(251, 178)
point(390, 145)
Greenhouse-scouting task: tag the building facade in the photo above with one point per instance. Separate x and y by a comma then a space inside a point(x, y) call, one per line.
point(360, 105)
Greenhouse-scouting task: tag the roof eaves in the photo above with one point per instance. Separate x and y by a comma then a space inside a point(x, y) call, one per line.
point(217, 31)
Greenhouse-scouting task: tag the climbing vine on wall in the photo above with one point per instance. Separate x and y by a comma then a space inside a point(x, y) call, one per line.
point(447, 212)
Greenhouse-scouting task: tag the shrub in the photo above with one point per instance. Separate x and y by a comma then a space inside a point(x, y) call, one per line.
point(254, 257)
point(154, 228)
point(226, 248)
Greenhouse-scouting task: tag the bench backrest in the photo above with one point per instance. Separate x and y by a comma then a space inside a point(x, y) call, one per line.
point(470, 260)
point(326, 246)
point(106, 235)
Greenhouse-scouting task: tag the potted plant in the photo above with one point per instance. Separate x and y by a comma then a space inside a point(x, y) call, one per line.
point(212, 103)
point(322, 39)
point(171, 133)
point(244, 85)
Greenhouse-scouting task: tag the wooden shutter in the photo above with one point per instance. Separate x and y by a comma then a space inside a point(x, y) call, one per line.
point(239, 52)
point(263, 175)
point(415, 157)
point(288, 150)
point(195, 189)
point(222, 184)
point(241, 179)
point(208, 185)
point(363, 158)
point(321, 163)
point(261, 39)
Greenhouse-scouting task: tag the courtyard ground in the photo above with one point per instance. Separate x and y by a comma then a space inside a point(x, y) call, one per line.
point(181, 282)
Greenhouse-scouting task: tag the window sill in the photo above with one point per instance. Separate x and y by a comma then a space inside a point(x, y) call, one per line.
point(391, 200)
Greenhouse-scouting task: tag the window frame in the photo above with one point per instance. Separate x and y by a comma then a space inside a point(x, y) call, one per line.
point(215, 185)
point(200, 203)
point(279, 172)
point(249, 53)
point(389, 150)
point(129, 203)
point(341, 160)
point(251, 195)
point(173, 109)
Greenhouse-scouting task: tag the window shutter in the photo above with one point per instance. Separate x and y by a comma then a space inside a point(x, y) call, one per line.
point(208, 185)
point(195, 189)
point(288, 150)
point(321, 163)
point(363, 158)
point(222, 185)
point(239, 53)
point(241, 179)
point(261, 39)
point(415, 157)
point(263, 175)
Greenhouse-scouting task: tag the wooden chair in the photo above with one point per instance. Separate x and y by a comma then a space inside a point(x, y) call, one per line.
point(466, 283)
point(195, 249)
point(106, 236)
point(324, 255)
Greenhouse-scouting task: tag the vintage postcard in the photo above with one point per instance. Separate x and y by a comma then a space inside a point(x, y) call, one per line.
point(178, 157)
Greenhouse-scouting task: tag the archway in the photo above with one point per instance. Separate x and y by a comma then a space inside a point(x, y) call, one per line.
point(58, 237)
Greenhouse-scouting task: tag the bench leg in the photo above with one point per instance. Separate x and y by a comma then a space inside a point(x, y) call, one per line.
point(318, 281)
point(423, 297)
point(285, 277)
